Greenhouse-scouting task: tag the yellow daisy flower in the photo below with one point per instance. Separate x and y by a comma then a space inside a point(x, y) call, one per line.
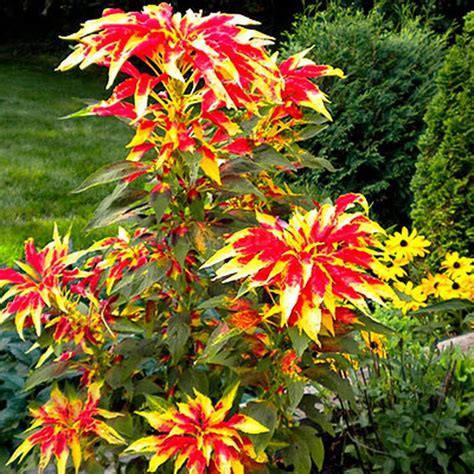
point(461, 287)
point(415, 297)
point(431, 284)
point(455, 265)
point(405, 246)
point(388, 270)
point(374, 342)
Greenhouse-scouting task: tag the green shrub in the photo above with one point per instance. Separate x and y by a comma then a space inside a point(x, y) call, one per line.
point(442, 185)
point(378, 110)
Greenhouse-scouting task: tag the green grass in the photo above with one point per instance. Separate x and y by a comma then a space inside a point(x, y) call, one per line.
point(43, 158)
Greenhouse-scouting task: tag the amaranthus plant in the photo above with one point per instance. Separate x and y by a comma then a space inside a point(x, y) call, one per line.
point(208, 318)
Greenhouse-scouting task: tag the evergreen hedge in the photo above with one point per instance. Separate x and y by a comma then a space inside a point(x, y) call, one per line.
point(378, 109)
point(443, 183)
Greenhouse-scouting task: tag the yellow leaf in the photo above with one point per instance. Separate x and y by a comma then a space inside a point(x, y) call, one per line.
point(156, 461)
point(250, 268)
point(180, 459)
point(171, 68)
point(224, 253)
point(143, 445)
point(108, 414)
point(142, 134)
point(44, 357)
point(61, 461)
point(72, 60)
point(288, 298)
point(237, 467)
point(27, 269)
point(124, 50)
point(154, 418)
point(76, 453)
point(266, 219)
point(250, 426)
point(211, 168)
point(310, 320)
point(21, 451)
point(329, 299)
point(328, 322)
point(19, 323)
point(202, 402)
point(225, 403)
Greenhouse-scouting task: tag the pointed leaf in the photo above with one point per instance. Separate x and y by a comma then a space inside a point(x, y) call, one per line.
point(108, 174)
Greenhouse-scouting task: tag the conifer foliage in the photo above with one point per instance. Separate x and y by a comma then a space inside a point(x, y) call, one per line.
point(444, 179)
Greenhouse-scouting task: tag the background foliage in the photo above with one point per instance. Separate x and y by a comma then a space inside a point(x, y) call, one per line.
point(443, 183)
point(378, 109)
point(414, 410)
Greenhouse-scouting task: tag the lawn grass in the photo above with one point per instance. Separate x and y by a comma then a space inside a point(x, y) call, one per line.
point(43, 158)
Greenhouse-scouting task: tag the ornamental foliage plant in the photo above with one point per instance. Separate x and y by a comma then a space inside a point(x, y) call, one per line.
point(189, 341)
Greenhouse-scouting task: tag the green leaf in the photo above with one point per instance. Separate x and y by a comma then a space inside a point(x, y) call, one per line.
point(298, 453)
point(215, 350)
point(308, 406)
point(314, 442)
point(455, 304)
point(178, 334)
point(136, 282)
point(372, 325)
point(47, 373)
point(299, 340)
point(107, 174)
point(265, 413)
point(468, 458)
point(194, 378)
point(219, 301)
point(317, 452)
point(159, 202)
point(308, 160)
point(239, 185)
point(147, 387)
point(158, 404)
point(238, 166)
point(123, 203)
point(310, 131)
point(196, 208)
point(334, 382)
point(388, 466)
point(92, 466)
point(295, 390)
point(181, 249)
point(125, 325)
point(267, 157)
point(124, 425)
point(443, 460)
point(120, 375)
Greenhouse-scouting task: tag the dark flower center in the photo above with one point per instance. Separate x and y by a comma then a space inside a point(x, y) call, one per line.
point(373, 345)
point(403, 243)
point(456, 265)
point(455, 286)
